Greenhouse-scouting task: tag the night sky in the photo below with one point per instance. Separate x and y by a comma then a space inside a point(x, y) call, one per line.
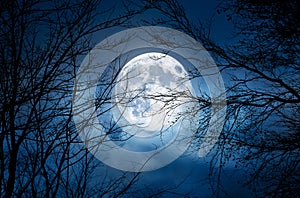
point(189, 174)
point(71, 106)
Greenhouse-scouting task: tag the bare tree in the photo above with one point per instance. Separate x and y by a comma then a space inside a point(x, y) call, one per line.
point(262, 70)
point(268, 93)
point(41, 43)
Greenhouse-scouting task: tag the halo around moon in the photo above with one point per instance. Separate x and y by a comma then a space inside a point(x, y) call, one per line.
point(132, 107)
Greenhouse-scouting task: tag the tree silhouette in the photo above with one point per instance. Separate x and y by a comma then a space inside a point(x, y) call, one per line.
point(261, 67)
point(41, 42)
point(268, 51)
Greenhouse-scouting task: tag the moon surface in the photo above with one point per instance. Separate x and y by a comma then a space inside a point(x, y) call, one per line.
point(150, 94)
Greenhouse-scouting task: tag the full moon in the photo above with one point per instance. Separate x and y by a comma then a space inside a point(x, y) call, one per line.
point(150, 94)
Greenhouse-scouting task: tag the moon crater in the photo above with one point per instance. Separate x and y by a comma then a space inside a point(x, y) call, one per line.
point(149, 94)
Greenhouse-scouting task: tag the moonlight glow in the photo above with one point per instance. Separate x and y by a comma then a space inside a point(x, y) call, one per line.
point(148, 93)
point(151, 95)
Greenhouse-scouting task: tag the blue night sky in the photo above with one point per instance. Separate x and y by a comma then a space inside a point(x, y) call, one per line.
point(106, 98)
point(189, 174)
